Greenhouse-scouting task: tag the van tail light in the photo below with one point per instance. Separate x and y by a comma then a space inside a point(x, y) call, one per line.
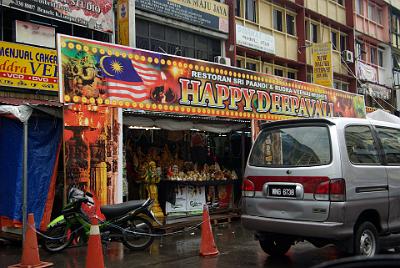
point(322, 191)
point(248, 189)
point(333, 190)
point(337, 190)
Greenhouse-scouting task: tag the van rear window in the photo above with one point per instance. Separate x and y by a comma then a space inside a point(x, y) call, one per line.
point(292, 146)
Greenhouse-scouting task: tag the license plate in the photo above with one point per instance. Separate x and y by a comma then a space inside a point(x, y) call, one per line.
point(282, 191)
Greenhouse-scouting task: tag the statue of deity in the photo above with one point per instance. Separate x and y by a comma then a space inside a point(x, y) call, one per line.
point(151, 179)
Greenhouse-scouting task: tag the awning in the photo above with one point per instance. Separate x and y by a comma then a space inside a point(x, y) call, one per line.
point(176, 125)
point(376, 91)
point(49, 107)
point(381, 115)
point(18, 101)
point(22, 112)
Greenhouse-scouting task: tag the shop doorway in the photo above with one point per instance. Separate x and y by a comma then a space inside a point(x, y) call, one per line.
point(194, 166)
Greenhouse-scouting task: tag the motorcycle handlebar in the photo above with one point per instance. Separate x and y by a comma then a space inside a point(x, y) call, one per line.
point(86, 200)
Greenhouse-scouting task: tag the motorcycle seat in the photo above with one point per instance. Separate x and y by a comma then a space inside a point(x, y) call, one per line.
point(112, 211)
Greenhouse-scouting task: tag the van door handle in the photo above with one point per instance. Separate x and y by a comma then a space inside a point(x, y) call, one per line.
point(367, 189)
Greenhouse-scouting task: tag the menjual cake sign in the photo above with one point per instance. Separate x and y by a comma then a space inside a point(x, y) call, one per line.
point(269, 98)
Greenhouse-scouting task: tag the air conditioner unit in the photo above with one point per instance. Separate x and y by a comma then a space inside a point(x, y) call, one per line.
point(223, 60)
point(348, 56)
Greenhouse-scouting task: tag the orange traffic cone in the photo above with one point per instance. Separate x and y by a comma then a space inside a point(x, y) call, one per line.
point(30, 250)
point(207, 245)
point(94, 257)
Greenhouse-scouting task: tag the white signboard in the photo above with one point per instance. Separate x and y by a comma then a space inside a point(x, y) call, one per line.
point(254, 39)
point(180, 200)
point(196, 198)
point(35, 34)
point(94, 14)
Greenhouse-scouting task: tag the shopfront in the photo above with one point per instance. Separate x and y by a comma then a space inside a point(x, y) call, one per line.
point(198, 160)
point(177, 115)
point(25, 69)
point(29, 79)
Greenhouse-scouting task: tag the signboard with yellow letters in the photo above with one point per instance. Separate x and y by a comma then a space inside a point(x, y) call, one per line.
point(123, 22)
point(93, 72)
point(28, 67)
point(322, 64)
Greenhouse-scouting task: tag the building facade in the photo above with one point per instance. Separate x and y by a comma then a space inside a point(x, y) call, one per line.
point(292, 27)
point(184, 29)
point(395, 47)
point(358, 31)
point(373, 52)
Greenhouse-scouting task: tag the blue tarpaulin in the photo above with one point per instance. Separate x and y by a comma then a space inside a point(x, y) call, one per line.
point(43, 140)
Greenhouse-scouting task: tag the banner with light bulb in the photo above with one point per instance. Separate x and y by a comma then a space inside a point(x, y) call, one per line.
point(106, 74)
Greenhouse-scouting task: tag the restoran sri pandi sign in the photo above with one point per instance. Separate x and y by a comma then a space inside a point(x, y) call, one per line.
point(28, 67)
point(98, 73)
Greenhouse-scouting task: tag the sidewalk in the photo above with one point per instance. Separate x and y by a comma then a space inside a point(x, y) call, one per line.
point(171, 251)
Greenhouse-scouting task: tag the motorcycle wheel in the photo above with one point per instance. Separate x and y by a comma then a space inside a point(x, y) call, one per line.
point(138, 241)
point(57, 231)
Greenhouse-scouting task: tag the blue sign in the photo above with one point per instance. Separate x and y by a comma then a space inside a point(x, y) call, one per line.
point(208, 14)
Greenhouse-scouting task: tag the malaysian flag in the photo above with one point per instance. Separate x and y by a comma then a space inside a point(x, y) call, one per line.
point(129, 80)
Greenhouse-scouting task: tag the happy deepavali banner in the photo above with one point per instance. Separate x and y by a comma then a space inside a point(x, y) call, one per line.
point(99, 73)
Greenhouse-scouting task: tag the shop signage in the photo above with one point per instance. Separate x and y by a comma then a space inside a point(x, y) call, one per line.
point(188, 199)
point(35, 34)
point(28, 67)
point(93, 14)
point(254, 39)
point(196, 198)
point(205, 13)
point(92, 72)
point(180, 204)
point(322, 64)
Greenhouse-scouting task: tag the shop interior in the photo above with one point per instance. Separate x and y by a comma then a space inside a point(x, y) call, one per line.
point(192, 160)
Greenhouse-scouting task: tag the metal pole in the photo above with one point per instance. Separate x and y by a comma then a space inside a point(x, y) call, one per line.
point(25, 181)
point(243, 149)
point(132, 23)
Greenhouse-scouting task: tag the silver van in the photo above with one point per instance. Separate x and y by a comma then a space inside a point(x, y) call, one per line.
point(325, 181)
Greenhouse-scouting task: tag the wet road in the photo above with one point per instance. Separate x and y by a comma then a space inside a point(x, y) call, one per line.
point(236, 245)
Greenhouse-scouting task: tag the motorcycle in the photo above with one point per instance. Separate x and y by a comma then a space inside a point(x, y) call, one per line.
point(128, 222)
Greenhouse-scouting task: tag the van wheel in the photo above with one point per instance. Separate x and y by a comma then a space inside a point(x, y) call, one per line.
point(275, 246)
point(366, 241)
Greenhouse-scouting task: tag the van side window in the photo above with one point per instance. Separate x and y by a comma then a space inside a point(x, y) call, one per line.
point(360, 145)
point(390, 139)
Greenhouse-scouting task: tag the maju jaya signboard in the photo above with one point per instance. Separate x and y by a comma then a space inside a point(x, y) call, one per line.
point(205, 13)
point(28, 67)
point(92, 72)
